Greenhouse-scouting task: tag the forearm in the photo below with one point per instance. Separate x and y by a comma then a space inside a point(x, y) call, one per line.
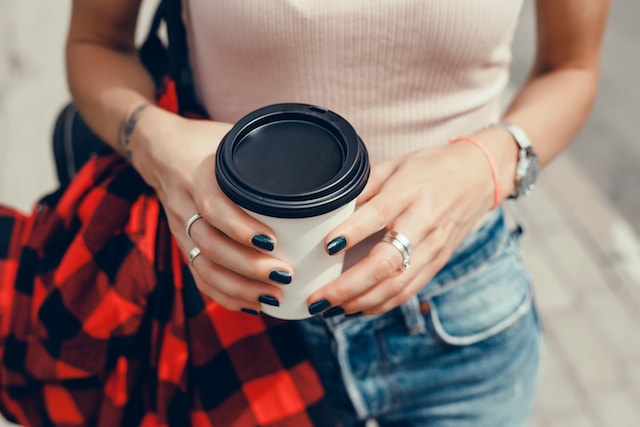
point(106, 85)
point(553, 107)
point(116, 97)
point(108, 82)
point(555, 102)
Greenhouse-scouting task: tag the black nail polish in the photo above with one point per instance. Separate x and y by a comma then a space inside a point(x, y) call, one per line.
point(318, 306)
point(356, 314)
point(335, 311)
point(263, 242)
point(269, 300)
point(336, 245)
point(250, 311)
point(280, 276)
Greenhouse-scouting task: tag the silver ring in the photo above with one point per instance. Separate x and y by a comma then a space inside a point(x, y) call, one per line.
point(193, 254)
point(190, 222)
point(402, 244)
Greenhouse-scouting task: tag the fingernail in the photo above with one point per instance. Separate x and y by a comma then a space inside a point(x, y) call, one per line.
point(250, 311)
point(269, 300)
point(280, 276)
point(336, 245)
point(335, 311)
point(318, 306)
point(263, 242)
point(356, 314)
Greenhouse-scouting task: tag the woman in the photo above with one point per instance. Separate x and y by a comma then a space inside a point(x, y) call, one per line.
point(451, 340)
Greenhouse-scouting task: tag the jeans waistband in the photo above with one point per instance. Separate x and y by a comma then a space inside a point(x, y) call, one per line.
point(480, 246)
point(473, 252)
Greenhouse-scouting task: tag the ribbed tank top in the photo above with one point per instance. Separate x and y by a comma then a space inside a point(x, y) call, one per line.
point(406, 73)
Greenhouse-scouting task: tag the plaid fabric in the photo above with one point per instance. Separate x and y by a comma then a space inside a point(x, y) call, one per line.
point(101, 323)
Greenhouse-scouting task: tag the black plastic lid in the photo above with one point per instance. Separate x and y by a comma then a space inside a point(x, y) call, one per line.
point(292, 161)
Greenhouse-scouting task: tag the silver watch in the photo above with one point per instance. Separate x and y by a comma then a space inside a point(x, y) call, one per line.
point(527, 168)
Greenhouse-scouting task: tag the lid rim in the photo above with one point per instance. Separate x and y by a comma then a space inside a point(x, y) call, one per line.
point(342, 188)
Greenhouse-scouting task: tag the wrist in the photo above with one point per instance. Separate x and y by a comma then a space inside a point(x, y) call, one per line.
point(148, 132)
point(493, 184)
point(504, 152)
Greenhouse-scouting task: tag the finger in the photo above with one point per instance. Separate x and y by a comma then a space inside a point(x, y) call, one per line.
point(397, 289)
point(370, 218)
point(384, 259)
point(225, 254)
point(230, 219)
point(394, 292)
point(380, 173)
point(456, 235)
point(232, 290)
point(223, 251)
point(382, 263)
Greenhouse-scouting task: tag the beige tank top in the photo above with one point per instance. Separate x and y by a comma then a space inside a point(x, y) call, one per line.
point(406, 73)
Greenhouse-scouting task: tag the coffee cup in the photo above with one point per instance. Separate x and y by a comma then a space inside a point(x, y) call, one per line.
point(297, 168)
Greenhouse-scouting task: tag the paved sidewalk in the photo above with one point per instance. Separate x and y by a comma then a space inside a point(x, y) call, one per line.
point(585, 262)
point(584, 258)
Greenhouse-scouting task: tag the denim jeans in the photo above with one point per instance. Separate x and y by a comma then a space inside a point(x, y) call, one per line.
point(464, 351)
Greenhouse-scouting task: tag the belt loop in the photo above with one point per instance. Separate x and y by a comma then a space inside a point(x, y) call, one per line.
point(413, 318)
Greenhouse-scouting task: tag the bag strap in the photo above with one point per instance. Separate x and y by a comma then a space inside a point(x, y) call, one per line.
point(179, 66)
point(153, 53)
point(171, 60)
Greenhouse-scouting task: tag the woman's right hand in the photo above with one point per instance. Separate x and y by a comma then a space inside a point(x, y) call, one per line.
point(176, 156)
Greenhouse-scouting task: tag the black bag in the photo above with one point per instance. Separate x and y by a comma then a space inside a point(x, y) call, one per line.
point(73, 140)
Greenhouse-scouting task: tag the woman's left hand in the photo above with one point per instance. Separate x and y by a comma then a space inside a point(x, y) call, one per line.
point(434, 197)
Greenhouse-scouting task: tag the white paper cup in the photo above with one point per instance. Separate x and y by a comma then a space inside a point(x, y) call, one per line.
point(297, 168)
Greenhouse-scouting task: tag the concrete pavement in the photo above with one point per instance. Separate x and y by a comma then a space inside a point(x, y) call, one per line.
point(583, 255)
point(585, 262)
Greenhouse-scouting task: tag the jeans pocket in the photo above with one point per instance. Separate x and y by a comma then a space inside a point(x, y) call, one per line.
point(482, 303)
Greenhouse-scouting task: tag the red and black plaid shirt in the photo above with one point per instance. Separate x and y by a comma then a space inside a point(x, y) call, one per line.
point(101, 323)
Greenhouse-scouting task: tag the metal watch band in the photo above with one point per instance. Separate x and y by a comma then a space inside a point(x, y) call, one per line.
point(518, 134)
point(527, 167)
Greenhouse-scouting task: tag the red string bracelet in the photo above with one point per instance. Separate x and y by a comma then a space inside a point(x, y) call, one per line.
point(494, 172)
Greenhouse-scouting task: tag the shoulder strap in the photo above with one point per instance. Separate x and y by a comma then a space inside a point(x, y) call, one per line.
point(153, 53)
point(179, 66)
point(172, 60)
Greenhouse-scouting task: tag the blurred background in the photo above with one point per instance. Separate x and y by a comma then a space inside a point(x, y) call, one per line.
point(582, 222)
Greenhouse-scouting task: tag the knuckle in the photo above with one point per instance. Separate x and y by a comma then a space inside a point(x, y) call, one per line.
point(207, 206)
point(377, 310)
point(440, 260)
point(440, 240)
point(358, 229)
point(207, 282)
point(382, 212)
point(340, 295)
point(256, 271)
point(210, 250)
point(404, 296)
point(384, 268)
point(396, 286)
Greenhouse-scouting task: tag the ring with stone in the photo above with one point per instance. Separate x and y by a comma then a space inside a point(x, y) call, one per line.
point(190, 222)
point(402, 244)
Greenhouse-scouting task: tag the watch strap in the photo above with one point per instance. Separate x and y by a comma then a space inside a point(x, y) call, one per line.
point(526, 157)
